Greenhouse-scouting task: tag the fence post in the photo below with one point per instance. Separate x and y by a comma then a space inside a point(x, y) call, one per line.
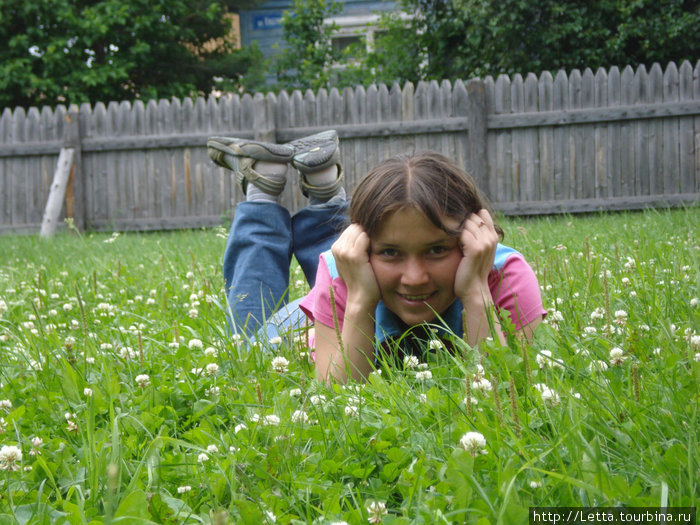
point(478, 153)
point(75, 192)
point(264, 119)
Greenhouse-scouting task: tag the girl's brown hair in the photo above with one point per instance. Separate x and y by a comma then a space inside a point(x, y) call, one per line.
point(428, 182)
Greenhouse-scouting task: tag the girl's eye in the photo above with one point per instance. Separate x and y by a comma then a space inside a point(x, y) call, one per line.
point(389, 252)
point(437, 250)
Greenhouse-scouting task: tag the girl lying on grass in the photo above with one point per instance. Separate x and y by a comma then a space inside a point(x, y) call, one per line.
point(421, 248)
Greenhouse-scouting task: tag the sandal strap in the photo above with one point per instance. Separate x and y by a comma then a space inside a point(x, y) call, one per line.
point(322, 192)
point(245, 174)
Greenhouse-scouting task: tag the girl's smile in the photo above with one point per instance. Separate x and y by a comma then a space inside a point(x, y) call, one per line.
point(415, 263)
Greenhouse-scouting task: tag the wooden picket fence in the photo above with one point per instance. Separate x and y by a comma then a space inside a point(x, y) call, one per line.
point(605, 140)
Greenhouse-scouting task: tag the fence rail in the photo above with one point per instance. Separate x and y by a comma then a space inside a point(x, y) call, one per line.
point(569, 142)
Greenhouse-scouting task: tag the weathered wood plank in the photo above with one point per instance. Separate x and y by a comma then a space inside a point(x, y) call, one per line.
point(670, 133)
point(686, 137)
point(517, 99)
point(503, 160)
point(628, 171)
point(656, 129)
point(587, 101)
point(562, 173)
point(641, 130)
point(546, 138)
point(610, 181)
point(575, 139)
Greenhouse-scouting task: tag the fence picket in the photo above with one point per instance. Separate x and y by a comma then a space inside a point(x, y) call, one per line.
point(587, 101)
point(562, 171)
point(611, 179)
point(685, 135)
point(670, 129)
point(628, 178)
point(641, 129)
point(656, 146)
point(546, 137)
point(517, 100)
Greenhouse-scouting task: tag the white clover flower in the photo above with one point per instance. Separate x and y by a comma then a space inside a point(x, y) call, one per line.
point(423, 398)
point(213, 391)
point(212, 369)
point(295, 392)
point(280, 364)
point(556, 316)
point(10, 457)
point(67, 307)
point(239, 427)
point(316, 400)
point(126, 352)
point(195, 344)
point(143, 380)
point(87, 392)
point(339, 523)
point(202, 458)
point(351, 410)
point(3, 307)
point(548, 395)
point(277, 340)
point(617, 356)
point(193, 313)
point(299, 416)
point(626, 281)
point(3, 425)
point(183, 489)
point(435, 344)
point(482, 384)
point(376, 509)
point(424, 375)
point(210, 351)
point(544, 359)
point(212, 449)
point(36, 443)
point(598, 366)
point(410, 361)
point(694, 302)
point(271, 420)
point(695, 341)
point(535, 484)
point(697, 357)
point(6, 404)
point(197, 371)
point(620, 317)
point(590, 330)
point(598, 313)
point(473, 442)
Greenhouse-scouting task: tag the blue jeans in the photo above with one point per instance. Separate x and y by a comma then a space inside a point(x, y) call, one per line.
point(262, 240)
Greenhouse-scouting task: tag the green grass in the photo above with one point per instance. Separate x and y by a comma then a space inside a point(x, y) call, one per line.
point(242, 443)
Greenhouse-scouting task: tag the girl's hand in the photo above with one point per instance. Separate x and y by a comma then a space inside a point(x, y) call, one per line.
point(478, 241)
point(351, 252)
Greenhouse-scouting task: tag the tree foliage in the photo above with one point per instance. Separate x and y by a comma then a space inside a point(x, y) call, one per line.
point(467, 38)
point(72, 51)
point(307, 58)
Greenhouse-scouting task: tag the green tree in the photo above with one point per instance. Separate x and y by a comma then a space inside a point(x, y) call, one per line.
point(466, 38)
point(307, 58)
point(73, 51)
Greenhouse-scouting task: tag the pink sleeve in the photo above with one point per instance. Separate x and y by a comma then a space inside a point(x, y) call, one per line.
point(317, 304)
point(514, 288)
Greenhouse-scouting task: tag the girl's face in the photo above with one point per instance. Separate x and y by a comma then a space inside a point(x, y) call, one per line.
point(415, 264)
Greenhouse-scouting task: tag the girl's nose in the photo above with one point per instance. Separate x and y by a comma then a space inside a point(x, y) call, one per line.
point(414, 272)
